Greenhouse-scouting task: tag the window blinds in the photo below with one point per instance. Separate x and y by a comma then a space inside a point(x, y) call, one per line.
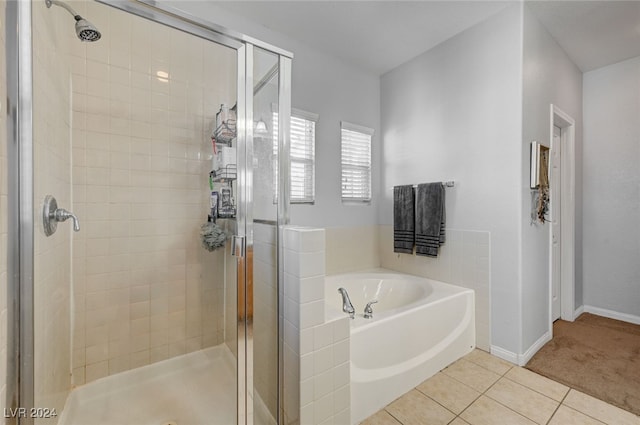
point(356, 163)
point(302, 155)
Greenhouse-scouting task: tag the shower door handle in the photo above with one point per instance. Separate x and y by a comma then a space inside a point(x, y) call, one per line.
point(237, 246)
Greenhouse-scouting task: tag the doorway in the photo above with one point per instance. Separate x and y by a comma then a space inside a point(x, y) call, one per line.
point(562, 229)
point(556, 217)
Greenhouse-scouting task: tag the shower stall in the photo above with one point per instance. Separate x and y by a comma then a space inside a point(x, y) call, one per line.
point(125, 154)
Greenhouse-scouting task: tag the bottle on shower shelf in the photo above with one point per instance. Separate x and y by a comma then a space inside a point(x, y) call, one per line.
point(222, 116)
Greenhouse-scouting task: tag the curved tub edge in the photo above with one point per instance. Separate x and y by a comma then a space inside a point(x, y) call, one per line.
point(370, 395)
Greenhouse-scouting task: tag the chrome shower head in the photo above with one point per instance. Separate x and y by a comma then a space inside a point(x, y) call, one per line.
point(85, 30)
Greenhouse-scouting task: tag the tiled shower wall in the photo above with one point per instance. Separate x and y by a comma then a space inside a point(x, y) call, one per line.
point(52, 176)
point(3, 217)
point(144, 98)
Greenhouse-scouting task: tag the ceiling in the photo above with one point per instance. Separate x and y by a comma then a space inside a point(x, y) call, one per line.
point(377, 36)
point(593, 33)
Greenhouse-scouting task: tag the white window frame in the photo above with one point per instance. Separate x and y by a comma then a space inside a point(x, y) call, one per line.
point(366, 168)
point(308, 163)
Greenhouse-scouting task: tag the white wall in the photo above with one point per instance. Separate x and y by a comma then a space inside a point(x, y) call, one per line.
point(454, 113)
point(549, 77)
point(336, 91)
point(611, 178)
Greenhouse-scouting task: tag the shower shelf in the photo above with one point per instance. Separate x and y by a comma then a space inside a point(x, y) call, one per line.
point(226, 132)
point(228, 173)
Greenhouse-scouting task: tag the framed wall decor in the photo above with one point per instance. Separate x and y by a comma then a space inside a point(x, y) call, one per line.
point(539, 171)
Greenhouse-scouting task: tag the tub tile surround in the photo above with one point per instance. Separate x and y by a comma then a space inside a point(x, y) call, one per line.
point(481, 389)
point(317, 372)
point(351, 249)
point(464, 260)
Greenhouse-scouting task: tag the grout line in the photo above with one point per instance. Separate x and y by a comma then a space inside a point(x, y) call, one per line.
point(580, 411)
point(479, 395)
point(534, 390)
point(561, 403)
point(437, 402)
point(554, 412)
point(455, 379)
point(504, 405)
point(509, 408)
point(470, 404)
point(585, 414)
point(390, 414)
point(482, 366)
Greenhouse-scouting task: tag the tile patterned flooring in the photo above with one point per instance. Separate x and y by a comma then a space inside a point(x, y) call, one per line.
point(481, 389)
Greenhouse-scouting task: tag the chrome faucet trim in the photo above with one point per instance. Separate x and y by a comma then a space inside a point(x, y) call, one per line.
point(368, 311)
point(347, 307)
point(52, 215)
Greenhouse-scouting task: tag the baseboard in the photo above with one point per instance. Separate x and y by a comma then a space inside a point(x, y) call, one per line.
point(578, 312)
point(612, 314)
point(507, 355)
point(523, 359)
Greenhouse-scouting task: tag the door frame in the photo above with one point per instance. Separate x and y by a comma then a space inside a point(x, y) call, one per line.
point(559, 118)
point(21, 220)
point(556, 204)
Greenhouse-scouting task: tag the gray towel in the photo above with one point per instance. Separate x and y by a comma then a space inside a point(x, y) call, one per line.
point(403, 219)
point(430, 218)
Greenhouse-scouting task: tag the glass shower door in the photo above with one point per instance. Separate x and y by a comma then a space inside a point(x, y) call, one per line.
point(265, 229)
point(268, 213)
point(143, 297)
point(130, 297)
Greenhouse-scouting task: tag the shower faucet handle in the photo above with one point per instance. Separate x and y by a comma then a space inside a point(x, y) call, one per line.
point(63, 215)
point(52, 215)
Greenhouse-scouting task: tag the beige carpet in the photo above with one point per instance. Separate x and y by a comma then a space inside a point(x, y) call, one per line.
point(595, 355)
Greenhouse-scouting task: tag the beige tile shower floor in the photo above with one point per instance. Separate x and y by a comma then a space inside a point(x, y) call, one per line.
point(481, 389)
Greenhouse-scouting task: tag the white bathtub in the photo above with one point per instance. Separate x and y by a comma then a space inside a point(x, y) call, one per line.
point(419, 327)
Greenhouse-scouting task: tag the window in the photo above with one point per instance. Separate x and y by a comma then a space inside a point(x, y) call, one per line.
point(356, 163)
point(302, 155)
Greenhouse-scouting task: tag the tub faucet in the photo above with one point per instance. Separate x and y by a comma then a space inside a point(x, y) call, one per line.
point(368, 311)
point(347, 307)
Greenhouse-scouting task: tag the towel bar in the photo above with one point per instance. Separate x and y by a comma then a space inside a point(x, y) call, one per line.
point(450, 183)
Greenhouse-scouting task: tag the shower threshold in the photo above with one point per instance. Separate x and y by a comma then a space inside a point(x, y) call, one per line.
point(193, 389)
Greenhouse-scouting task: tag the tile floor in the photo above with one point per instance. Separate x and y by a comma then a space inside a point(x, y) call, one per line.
point(481, 389)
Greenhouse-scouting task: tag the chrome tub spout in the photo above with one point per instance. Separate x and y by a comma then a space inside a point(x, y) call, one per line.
point(347, 307)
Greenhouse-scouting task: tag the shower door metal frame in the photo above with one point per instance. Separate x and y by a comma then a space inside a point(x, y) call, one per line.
point(20, 220)
point(21, 223)
point(244, 216)
point(284, 194)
